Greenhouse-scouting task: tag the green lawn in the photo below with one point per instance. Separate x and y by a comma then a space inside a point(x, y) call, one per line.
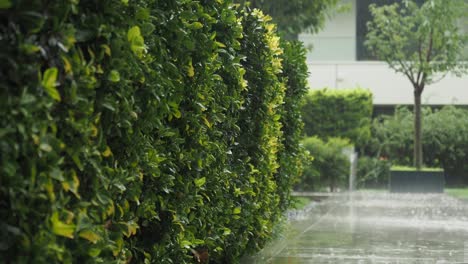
point(407, 168)
point(461, 193)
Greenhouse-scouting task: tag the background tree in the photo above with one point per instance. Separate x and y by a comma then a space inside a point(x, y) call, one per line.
point(294, 16)
point(423, 42)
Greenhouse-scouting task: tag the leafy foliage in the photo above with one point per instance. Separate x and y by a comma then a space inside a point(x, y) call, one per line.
point(143, 131)
point(423, 42)
point(338, 113)
point(444, 139)
point(329, 167)
point(292, 155)
point(294, 16)
point(373, 172)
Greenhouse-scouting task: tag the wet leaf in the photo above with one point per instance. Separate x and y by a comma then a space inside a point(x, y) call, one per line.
point(200, 182)
point(60, 228)
point(90, 236)
point(49, 82)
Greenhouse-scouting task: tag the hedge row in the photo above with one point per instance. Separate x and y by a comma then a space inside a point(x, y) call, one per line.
point(143, 131)
point(339, 113)
point(329, 168)
point(445, 140)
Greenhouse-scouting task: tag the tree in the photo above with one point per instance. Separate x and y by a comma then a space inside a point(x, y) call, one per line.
point(423, 42)
point(294, 16)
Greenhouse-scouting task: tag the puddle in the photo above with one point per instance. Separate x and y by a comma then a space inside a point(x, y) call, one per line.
point(375, 227)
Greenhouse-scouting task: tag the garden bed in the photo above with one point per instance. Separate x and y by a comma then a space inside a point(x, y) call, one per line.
point(409, 180)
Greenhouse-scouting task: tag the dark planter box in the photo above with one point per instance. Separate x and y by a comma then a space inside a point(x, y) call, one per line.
point(416, 181)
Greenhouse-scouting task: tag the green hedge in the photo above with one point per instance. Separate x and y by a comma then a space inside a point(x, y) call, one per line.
point(372, 172)
point(445, 140)
point(338, 113)
point(143, 131)
point(293, 156)
point(329, 167)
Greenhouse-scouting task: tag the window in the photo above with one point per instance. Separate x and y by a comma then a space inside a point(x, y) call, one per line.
point(363, 15)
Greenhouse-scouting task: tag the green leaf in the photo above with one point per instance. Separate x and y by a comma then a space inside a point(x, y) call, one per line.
point(130, 228)
point(90, 236)
point(190, 69)
point(49, 82)
point(60, 228)
point(196, 25)
point(29, 48)
point(200, 182)
point(94, 252)
point(114, 76)
point(4, 4)
point(185, 244)
point(236, 210)
point(137, 43)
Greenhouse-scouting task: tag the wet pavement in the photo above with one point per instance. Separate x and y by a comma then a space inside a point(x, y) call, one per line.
point(375, 227)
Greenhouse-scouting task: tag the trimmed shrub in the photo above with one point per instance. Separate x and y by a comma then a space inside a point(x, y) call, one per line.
point(373, 172)
point(338, 113)
point(292, 155)
point(329, 166)
point(444, 140)
point(142, 131)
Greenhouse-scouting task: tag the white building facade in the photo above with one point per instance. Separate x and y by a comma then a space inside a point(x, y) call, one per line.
point(339, 60)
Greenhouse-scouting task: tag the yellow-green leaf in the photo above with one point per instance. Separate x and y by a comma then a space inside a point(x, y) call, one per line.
point(131, 228)
point(220, 45)
point(49, 82)
point(207, 123)
point(177, 113)
point(66, 65)
point(114, 76)
point(196, 25)
point(106, 49)
point(72, 185)
point(137, 43)
point(94, 252)
point(29, 48)
point(200, 182)
point(60, 228)
point(190, 69)
point(90, 236)
point(236, 210)
point(106, 153)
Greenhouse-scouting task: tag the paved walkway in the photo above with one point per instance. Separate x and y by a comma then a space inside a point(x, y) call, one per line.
point(376, 227)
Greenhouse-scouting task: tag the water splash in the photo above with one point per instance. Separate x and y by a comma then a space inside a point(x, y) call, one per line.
point(376, 227)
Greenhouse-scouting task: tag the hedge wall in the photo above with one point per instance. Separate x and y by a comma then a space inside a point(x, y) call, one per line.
point(143, 131)
point(445, 140)
point(338, 113)
point(329, 168)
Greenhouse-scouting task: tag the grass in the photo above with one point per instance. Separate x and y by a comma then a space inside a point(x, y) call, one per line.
point(300, 202)
point(407, 168)
point(461, 193)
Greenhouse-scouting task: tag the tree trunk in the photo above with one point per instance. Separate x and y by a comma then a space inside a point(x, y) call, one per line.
point(418, 153)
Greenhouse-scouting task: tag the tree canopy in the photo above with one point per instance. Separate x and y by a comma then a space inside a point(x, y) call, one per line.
point(424, 42)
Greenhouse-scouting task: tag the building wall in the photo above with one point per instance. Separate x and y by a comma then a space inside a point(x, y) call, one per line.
point(388, 87)
point(333, 63)
point(337, 41)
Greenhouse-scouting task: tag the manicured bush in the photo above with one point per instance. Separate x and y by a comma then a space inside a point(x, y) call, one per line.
point(329, 167)
point(338, 113)
point(292, 155)
point(372, 172)
point(392, 137)
point(142, 131)
point(445, 140)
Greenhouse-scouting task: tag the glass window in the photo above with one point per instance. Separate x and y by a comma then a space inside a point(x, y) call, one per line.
point(363, 15)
